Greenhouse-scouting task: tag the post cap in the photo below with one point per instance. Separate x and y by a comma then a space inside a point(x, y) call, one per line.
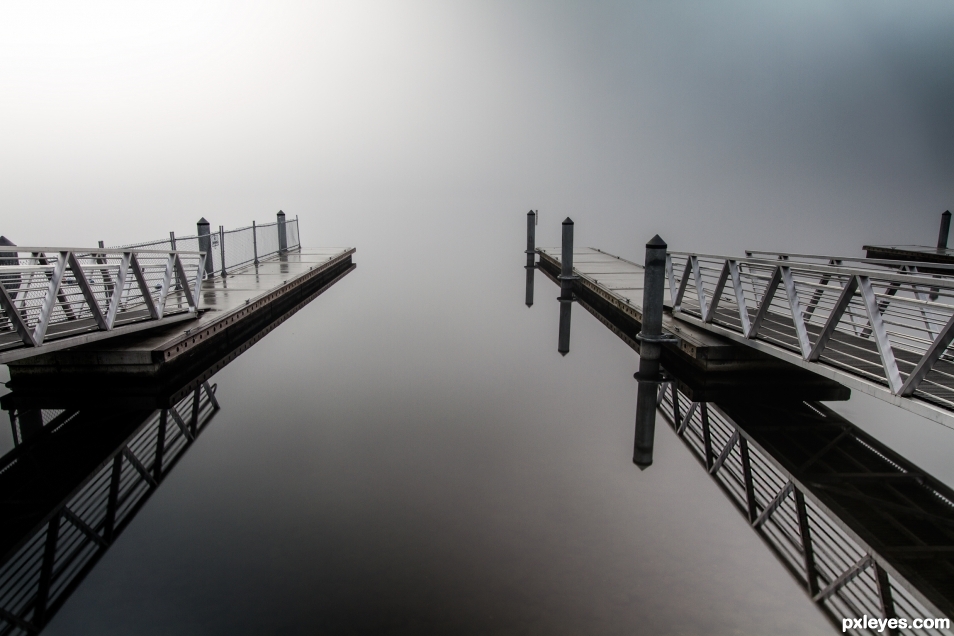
point(280, 213)
point(946, 213)
point(5, 241)
point(567, 221)
point(657, 243)
point(202, 221)
point(530, 212)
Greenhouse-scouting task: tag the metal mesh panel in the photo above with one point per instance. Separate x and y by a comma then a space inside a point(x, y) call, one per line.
point(291, 230)
point(267, 237)
point(239, 246)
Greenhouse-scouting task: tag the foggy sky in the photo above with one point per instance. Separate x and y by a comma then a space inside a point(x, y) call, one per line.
point(814, 126)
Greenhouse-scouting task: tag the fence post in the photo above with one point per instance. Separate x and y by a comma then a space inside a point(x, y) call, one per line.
point(297, 232)
point(172, 240)
point(205, 245)
point(255, 242)
point(222, 248)
point(650, 348)
point(945, 230)
point(566, 287)
point(282, 237)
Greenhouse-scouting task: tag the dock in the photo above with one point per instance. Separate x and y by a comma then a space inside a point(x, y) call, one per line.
point(750, 348)
point(229, 306)
point(710, 366)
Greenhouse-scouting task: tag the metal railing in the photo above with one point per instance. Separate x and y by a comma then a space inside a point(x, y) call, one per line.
point(56, 293)
point(842, 575)
point(230, 249)
point(38, 578)
point(880, 321)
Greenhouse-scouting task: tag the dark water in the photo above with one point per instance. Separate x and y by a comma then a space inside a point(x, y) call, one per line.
point(410, 454)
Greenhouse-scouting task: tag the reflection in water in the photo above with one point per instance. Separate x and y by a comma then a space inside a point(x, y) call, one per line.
point(81, 468)
point(838, 508)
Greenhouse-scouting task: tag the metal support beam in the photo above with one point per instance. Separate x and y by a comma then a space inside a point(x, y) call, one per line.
point(844, 299)
point(880, 335)
point(773, 506)
point(109, 524)
point(49, 301)
point(766, 303)
point(707, 436)
point(845, 578)
point(808, 552)
point(138, 465)
point(709, 316)
point(725, 453)
point(747, 480)
point(46, 571)
point(143, 287)
point(87, 291)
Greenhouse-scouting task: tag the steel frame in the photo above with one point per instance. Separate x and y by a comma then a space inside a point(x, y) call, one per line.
point(882, 326)
point(46, 298)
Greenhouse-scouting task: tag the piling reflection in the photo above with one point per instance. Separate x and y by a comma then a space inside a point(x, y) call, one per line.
point(531, 254)
point(566, 287)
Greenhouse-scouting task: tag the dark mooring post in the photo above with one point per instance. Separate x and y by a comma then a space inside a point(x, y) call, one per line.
point(531, 253)
point(566, 286)
point(205, 245)
point(282, 236)
point(650, 348)
point(945, 230)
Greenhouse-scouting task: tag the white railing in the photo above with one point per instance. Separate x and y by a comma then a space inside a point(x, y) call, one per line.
point(883, 321)
point(49, 293)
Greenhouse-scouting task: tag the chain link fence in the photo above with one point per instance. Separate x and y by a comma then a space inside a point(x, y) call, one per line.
point(229, 249)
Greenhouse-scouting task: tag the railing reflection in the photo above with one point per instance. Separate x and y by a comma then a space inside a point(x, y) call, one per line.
point(74, 481)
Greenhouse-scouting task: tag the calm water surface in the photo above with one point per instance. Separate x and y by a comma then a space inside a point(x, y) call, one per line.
point(410, 454)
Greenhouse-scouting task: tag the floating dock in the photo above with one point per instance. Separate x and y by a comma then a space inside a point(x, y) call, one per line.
point(709, 366)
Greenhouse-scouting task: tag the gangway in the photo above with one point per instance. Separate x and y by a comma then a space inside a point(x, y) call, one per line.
point(52, 298)
point(880, 326)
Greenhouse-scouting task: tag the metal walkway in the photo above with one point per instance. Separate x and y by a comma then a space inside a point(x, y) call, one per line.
point(52, 298)
point(878, 326)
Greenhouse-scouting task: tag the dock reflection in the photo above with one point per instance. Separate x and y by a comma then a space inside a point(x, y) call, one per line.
point(81, 469)
point(88, 453)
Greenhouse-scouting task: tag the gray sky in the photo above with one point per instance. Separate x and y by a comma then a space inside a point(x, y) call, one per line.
point(809, 126)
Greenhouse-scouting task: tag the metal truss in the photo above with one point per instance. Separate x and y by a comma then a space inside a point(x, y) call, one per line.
point(880, 326)
point(48, 565)
point(64, 295)
point(861, 529)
